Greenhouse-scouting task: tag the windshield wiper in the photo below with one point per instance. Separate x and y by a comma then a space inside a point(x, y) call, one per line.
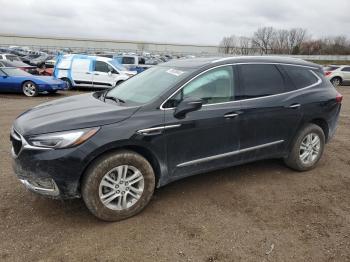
point(115, 99)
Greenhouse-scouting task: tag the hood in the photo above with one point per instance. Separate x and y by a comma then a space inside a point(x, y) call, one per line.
point(75, 112)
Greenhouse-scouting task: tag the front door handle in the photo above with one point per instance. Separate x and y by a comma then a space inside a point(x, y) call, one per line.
point(294, 106)
point(231, 115)
point(88, 73)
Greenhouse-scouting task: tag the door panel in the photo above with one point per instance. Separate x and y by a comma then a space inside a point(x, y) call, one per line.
point(203, 138)
point(81, 71)
point(101, 78)
point(269, 117)
point(201, 134)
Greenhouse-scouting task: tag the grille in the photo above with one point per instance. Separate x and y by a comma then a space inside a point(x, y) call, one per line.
point(16, 141)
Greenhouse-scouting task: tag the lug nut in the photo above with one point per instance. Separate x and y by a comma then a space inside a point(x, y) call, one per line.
point(123, 192)
point(118, 191)
point(127, 188)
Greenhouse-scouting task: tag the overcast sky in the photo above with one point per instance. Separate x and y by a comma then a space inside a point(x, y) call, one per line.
point(173, 21)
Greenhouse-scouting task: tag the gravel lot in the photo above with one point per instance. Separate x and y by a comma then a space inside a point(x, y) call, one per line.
point(256, 212)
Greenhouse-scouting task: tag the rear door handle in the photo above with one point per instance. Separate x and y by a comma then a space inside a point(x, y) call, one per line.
point(294, 106)
point(88, 73)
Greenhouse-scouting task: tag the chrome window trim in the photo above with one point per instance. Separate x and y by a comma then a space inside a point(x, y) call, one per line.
point(248, 63)
point(158, 128)
point(236, 152)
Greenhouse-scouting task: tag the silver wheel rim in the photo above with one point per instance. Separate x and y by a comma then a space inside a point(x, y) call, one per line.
point(121, 187)
point(336, 82)
point(310, 149)
point(29, 89)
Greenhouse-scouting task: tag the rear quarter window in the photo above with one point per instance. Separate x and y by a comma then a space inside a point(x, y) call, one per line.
point(300, 76)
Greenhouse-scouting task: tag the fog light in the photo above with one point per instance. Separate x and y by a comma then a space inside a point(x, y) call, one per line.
point(45, 186)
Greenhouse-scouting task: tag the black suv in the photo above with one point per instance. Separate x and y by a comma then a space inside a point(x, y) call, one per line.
point(174, 120)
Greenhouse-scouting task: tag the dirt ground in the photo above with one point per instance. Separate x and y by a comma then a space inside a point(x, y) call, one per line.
point(256, 212)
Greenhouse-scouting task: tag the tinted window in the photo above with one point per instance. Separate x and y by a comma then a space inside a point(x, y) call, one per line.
point(214, 86)
point(260, 80)
point(102, 67)
point(346, 69)
point(128, 60)
point(300, 76)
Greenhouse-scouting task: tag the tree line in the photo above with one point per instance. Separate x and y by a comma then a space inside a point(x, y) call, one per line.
point(295, 41)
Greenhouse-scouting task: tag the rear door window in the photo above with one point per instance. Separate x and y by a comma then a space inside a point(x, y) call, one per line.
point(346, 69)
point(300, 76)
point(259, 80)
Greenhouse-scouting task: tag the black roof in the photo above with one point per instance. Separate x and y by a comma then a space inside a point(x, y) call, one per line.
point(202, 62)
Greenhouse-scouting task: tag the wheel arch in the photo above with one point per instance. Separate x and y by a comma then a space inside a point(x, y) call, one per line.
point(323, 124)
point(145, 152)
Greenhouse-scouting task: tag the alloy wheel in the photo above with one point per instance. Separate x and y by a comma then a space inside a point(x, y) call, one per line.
point(29, 89)
point(310, 149)
point(121, 187)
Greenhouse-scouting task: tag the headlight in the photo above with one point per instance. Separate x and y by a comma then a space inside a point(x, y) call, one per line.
point(63, 139)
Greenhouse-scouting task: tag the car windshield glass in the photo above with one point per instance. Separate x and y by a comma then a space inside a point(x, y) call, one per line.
point(117, 65)
point(15, 72)
point(331, 68)
point(148, 85)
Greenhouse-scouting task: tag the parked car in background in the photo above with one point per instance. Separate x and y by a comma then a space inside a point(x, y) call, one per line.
point(10, 57)
point(17, 64)
point(133, 62)
point(174, 120)
point(90, 71)
point(32, 55)
point(50, 62)
point(14, 80)
point(338, 75)
point(39, 61)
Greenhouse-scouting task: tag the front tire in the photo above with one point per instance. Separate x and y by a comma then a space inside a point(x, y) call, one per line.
point(307, 148)
point(30, 89)
point(118, 185)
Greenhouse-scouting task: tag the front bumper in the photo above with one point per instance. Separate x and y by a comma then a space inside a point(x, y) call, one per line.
point(53, 173)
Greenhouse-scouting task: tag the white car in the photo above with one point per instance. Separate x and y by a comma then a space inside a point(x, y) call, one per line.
point(90, 71)
point(10, 57)
point(338, 75)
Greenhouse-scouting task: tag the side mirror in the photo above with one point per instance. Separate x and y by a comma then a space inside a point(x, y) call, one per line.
point(187, 105)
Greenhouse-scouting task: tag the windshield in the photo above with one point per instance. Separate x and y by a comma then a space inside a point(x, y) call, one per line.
point(117, 65)
point(15, 72)
point(148, 85)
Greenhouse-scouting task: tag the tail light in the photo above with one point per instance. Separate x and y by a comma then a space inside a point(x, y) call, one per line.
point(339, 98)
point(327, 73)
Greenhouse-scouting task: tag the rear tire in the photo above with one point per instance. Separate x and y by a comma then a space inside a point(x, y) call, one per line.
point(307, 148)
point(109, 189)
point(336, 81)
point(30, 89)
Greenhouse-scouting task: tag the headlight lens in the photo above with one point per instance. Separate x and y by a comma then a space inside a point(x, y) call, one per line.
point(63, 139)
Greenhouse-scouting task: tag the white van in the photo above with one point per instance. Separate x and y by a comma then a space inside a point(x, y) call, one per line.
point(90, 71)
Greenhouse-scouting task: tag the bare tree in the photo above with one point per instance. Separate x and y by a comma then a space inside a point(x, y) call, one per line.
point(228, 44)
point(245, 45)
point(295, 39)
point(280, 42)
point(263, 39)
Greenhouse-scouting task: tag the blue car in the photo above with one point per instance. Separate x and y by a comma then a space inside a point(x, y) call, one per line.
point(15, 80)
